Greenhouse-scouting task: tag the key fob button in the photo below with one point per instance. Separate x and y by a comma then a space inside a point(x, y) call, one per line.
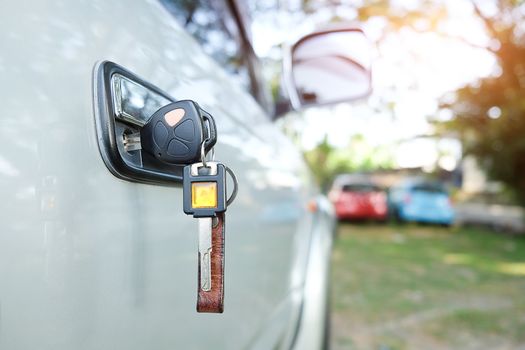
point(173, 117)
point(160, 134)
point(185, 130)
point(177, 148)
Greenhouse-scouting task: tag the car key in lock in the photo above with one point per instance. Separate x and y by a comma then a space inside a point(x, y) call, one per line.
point(181, 133)
point(176, 133)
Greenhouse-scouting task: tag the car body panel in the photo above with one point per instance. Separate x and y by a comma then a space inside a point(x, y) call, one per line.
point(89, 261)
point(311, 333)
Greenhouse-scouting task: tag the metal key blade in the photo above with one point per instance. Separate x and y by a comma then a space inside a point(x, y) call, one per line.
point(205, 227)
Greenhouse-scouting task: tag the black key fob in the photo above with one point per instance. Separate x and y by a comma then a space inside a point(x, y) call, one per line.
point(175, 133)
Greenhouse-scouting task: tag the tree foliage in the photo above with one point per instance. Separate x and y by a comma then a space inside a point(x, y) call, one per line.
point(489, 115)
point(326, 161)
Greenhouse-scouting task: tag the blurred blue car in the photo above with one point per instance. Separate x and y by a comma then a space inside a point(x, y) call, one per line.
point(421, 201)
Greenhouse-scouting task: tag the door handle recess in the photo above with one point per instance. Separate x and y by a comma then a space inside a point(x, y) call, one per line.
point(122, 104)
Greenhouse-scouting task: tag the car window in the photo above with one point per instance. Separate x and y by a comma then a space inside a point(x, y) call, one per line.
point(211, 23)
point(429, 187)
point(360, 188)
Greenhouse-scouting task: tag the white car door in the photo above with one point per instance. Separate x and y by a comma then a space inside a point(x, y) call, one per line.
point(90, 261)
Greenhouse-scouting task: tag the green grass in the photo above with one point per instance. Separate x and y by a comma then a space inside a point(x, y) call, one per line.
point(411, 287)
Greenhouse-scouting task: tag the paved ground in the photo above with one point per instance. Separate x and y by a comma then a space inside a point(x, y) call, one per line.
point(421, 287)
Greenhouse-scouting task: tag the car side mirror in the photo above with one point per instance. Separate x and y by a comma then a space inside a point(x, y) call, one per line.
point(328, 67)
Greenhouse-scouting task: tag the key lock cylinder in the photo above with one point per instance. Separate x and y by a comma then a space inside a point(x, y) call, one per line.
point(181, 133)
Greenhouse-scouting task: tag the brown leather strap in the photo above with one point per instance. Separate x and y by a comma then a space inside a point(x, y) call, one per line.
point(213, 300)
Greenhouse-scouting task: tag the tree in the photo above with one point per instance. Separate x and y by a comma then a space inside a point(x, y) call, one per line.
point(489, 115)
point(318, 160)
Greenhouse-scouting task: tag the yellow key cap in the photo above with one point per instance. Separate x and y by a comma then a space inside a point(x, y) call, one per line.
point(204, 194)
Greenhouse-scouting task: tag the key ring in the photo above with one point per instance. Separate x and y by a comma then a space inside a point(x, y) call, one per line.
point(235, 186)
point(203, 154)
point(228, 170)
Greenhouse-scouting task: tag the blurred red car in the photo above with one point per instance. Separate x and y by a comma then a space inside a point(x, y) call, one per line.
point(359, 200)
